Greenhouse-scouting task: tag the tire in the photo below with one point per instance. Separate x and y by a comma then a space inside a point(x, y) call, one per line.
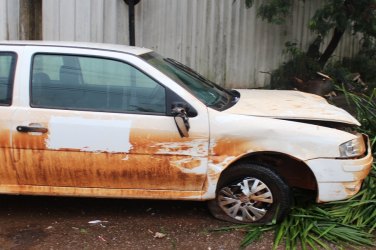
point(249, 193)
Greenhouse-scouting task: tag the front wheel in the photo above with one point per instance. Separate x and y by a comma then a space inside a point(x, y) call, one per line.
point(250, 193)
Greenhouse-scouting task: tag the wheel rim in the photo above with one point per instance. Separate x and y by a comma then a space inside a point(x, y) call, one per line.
point(248, 200)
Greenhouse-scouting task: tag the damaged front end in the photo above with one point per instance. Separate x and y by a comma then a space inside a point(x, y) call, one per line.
point(305, 127)
point(341, 178)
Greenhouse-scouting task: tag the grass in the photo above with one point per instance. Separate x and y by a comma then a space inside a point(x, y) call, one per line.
point(345, 223)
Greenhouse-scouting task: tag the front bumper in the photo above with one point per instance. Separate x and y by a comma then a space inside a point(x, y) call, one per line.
point(339, 179)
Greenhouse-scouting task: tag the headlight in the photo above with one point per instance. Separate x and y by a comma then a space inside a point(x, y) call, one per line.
point(353, 148)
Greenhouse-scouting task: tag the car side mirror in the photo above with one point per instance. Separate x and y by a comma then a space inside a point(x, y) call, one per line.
point(181, 120)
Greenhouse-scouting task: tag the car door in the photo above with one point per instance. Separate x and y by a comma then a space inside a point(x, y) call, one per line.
point(7, 68)
point(96, 121)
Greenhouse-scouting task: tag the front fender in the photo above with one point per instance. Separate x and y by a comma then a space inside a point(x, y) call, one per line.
point(233, 136)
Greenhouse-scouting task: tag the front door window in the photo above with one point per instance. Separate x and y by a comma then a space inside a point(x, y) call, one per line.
point(93, 84)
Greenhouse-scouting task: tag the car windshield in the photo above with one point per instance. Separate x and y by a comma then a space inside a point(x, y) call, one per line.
point(208, 92)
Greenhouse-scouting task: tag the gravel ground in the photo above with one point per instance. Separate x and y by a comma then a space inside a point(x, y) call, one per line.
point(29, 222)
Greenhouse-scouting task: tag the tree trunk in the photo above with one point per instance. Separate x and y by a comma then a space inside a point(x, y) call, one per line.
point(314, 48)
point(337, 35)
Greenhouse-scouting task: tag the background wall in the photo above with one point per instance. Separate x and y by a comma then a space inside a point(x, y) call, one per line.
point(219, 38)
point(9, 19)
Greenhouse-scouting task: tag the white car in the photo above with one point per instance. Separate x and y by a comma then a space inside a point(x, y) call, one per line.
point(81, 119)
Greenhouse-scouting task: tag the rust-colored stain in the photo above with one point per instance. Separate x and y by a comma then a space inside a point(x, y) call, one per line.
point(84, 169)
point(227, 150)
point(144, 167)
point(8, 172)
point(230, 147)
point(234, 147)
point(144, 142)
point(99, 192)
point(160, 163)
point(213, 175)
point(29, 141)
point(361, 175)
point(187, 163)
point(4, 138)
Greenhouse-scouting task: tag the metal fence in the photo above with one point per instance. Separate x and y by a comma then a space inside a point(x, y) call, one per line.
point(220, 38)
point(9, 19)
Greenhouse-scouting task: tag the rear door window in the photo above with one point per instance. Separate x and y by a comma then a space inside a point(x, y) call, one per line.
point(7, 67)
point(93, 84)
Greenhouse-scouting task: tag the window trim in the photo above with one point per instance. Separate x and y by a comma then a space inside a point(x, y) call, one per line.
point(167, 112)
point(11, 76)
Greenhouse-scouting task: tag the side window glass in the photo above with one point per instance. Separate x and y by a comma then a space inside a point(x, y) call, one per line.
point(95, 84)
point(7, 66)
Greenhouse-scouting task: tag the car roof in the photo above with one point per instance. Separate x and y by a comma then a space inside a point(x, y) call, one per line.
point(84, 45)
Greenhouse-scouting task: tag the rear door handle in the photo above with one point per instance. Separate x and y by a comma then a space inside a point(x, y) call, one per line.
point(27, 129)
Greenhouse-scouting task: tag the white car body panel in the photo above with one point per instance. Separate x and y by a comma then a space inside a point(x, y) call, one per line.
point(289, 104)
point(339, 179)
point(105, 154)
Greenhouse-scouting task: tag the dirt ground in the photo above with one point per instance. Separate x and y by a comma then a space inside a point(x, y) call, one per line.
point(28, 222)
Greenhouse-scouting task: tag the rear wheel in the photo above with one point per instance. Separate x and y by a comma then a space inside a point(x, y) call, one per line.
point(250, 193)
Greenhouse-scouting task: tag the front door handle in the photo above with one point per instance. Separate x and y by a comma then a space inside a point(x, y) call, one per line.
point(27, 129)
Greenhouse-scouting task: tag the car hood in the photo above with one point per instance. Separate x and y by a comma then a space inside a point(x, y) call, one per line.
point(288, 104)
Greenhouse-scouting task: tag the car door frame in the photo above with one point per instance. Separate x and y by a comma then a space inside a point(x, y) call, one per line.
point(8, 174)
point(178, 91)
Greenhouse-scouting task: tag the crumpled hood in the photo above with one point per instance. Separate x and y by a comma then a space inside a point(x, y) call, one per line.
point(288, 104)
